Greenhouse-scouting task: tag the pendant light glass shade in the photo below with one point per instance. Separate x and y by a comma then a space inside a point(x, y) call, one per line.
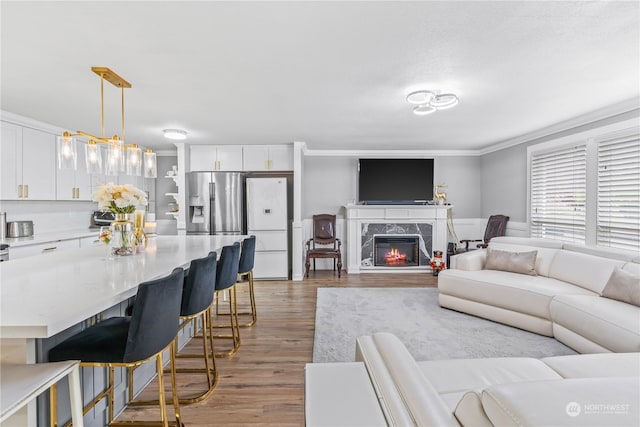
point(115, 157)
point(150, 164)
point(134, 160)
point(67, 152)
point(93, 157)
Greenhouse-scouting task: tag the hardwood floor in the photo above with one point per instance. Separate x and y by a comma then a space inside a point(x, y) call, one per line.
point(263, 383)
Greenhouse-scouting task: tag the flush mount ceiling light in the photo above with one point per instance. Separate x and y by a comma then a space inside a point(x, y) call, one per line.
point(118, 155)
point(175, 134)
point(427, 102)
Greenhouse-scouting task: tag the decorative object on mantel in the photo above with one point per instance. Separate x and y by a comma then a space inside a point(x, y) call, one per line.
point(437, 264)
point(122, 201)
point(439, 197)
point(117, 153)
point(427, 101)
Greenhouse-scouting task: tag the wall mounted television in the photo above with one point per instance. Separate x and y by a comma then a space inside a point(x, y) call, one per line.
point(395, 181)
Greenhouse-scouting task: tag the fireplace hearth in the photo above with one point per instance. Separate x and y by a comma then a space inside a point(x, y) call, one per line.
point(396, 251)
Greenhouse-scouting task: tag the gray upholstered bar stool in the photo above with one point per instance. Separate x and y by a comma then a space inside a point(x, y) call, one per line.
point(125, 342)
point(245, 268)
point(197, 299)
point(226, 277)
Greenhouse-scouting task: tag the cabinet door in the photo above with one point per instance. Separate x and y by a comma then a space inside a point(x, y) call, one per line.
point(229, 158)
point(281, 157)
point(10, 161)
point(38, 164)
point(82, 178)
point(202, 158)
point(255, 158)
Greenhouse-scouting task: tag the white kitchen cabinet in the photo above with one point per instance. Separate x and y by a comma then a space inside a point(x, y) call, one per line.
point(42, 248)
point(28, 164)
point(268, 157)
point(215, 158)
point(74, 184)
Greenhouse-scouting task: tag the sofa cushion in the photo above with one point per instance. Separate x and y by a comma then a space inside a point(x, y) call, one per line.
point(544, 256)
point(612, 324)
point(623, 286)
point(515, 262)
point(568, 402)
point(595, 365)
point(462, 375)
point(587, 271)
point(469, 411)
point(516, 292)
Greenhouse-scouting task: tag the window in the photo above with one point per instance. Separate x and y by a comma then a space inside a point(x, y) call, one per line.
point(585, 187)
point(558, 194)
point(618, 218)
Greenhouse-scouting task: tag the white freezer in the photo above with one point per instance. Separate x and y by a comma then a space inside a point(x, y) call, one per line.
point(267, 220)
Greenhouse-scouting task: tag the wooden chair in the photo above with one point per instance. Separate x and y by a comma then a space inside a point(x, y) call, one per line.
point(496, 226)
point(324, 243)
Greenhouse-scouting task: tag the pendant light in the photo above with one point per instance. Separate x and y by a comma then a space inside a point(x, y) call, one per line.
point(150, 164)
point(118, 157)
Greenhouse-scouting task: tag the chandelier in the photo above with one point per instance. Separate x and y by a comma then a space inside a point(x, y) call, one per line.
point(427, 102)
point(119, 158)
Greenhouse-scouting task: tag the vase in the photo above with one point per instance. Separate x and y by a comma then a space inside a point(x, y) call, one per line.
point(122, 236)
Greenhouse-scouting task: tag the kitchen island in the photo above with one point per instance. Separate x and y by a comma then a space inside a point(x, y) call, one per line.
point(47, 294)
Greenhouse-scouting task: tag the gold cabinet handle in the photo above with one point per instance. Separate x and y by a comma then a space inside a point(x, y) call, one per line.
point(20, 191)
point(53, 248)
point(270, 164)
point(77, 192)
point(26, 191)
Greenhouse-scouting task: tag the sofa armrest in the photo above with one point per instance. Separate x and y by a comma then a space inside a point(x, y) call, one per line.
point(418, 395)
point(472, 260)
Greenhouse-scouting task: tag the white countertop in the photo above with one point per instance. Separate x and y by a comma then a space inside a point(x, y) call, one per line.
point(43, 295)
point(50, 236)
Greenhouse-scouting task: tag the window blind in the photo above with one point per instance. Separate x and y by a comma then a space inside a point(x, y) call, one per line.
point(618, 218)
point(558, 194)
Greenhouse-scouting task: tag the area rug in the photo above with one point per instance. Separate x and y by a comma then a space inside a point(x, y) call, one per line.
point(414, 316)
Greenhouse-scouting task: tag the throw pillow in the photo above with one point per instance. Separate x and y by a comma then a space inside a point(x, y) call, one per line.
point(515, 262)
point(623, 286)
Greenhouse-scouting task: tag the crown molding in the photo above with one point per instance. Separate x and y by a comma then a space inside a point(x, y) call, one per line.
point(627, 106)
point(388, 153)
point(29, 122)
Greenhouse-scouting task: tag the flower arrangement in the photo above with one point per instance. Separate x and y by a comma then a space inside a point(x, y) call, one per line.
point(437, 264)
point(119, 199)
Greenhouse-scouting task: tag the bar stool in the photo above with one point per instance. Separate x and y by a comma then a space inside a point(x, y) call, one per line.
point(245, 268)
point(22, 383)
point(226, 277)
point(125, 342)
point(197, 298)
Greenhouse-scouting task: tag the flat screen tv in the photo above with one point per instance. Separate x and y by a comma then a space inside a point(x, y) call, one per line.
point(395, 181)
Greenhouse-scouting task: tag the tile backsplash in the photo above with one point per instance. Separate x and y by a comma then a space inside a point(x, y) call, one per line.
point(50, 215)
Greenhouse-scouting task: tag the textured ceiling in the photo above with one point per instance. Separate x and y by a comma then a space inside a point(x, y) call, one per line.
point(332, 74)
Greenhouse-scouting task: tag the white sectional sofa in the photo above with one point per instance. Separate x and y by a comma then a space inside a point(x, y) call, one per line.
point(593, 389)
point(561, 297)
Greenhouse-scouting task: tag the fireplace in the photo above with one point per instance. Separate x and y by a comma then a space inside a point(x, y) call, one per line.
point(396, 251)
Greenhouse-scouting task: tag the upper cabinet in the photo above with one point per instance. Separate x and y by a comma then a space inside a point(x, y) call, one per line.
point(74, 184)
point(28, 164)
point(268, 157)
point(241, 158)
point(216, 158)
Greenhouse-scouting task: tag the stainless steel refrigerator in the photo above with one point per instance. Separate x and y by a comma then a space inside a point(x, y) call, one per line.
point(214, 202)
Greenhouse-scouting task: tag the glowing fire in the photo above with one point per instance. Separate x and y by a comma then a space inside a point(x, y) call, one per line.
point(394, 257)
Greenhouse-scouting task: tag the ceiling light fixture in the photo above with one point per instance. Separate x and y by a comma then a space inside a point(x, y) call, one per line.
point(174, 134)
point(427, 102)
point(118, 155)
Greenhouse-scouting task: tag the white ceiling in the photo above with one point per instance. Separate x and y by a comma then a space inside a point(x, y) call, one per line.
point(332, 74)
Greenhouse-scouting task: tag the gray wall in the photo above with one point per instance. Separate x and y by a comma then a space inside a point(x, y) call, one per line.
point(504, 183)
point(330, 182)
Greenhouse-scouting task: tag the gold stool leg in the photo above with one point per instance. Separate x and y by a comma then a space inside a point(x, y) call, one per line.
point(53, 405)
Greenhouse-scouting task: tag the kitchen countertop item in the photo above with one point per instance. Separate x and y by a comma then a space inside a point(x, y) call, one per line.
point(20, 229)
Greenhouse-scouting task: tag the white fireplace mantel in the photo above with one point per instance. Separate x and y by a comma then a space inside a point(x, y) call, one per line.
point(359, 215)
